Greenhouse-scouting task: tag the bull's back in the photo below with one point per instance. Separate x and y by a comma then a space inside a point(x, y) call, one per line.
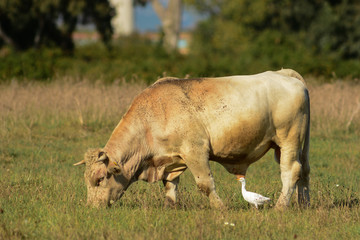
point(238, 115)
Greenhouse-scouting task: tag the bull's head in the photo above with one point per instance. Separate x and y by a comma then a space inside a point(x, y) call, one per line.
point(103, 177)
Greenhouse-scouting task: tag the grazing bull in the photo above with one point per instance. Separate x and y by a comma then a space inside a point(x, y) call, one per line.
point(177, 124)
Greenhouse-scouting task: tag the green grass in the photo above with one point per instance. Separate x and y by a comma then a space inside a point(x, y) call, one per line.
point(42, 196)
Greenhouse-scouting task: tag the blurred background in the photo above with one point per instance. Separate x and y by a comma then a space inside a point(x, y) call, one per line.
point(142, 40)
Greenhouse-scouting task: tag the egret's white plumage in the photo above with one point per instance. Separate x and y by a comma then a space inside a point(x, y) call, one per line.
point(251, 197)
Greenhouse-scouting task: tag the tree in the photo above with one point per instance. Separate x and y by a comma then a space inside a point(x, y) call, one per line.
point(170, 17)
point(28, 23)
point(171, 21)
point(325, 26)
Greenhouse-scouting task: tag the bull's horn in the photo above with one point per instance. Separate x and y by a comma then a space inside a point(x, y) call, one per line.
point(79, 163)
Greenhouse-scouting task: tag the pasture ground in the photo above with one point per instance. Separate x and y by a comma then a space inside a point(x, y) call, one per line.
point(45, 128)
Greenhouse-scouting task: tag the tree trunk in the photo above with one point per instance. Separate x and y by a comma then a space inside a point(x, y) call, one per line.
point(7, 39)
point(123, 21)
point(171, 21)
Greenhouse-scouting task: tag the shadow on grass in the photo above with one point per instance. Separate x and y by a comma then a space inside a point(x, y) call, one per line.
point(350, 203)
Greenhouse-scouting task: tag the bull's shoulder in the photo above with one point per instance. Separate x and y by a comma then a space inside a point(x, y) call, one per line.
point(171, 87)
point(163, 90)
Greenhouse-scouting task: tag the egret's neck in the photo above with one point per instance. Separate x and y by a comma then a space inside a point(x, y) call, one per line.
point(243, 186)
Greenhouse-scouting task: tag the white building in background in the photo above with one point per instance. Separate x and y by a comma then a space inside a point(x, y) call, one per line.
point(123, 21)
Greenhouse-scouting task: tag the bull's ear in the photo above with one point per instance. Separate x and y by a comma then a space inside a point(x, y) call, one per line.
point(102, 157)
point(114, 168)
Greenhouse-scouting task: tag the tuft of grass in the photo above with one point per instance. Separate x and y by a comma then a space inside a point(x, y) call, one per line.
point(46, 127)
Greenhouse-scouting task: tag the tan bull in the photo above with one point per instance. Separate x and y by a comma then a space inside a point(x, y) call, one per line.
point(177, 124)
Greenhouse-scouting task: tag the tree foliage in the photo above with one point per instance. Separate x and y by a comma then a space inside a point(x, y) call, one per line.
point(28, 23)
point(318, 37)
point(280, 32)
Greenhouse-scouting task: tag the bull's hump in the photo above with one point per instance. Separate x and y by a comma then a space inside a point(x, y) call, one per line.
point(177, 81)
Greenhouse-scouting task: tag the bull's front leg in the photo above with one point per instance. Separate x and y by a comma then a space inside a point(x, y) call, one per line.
point(171, 192)
point(200, 169)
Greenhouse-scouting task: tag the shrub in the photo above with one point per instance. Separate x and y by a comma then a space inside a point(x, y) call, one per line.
point(136, 59)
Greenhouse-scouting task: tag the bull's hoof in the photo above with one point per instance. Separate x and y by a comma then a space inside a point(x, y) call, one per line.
point(169, 203)
point(219, 205)
point(304, 201)
point(281, 206)
point(304, 205)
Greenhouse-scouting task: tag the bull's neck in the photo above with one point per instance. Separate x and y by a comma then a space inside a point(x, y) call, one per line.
point(127, 145)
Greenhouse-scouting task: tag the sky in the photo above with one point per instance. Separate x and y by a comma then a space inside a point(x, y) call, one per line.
point(147, 20)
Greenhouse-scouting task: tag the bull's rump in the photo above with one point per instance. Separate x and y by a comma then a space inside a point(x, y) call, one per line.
point(236, 116)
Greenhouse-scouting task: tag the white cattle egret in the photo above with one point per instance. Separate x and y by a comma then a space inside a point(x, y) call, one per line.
point(251, 197)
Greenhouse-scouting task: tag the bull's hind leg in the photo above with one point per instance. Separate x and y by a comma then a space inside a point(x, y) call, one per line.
point(171, 192)
point(290, 173)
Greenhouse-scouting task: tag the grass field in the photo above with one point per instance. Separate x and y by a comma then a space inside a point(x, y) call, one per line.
point(45, 128)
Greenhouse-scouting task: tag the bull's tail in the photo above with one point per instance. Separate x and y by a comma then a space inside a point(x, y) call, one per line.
point(305, 150)
point(303, 183)
point(291, 73)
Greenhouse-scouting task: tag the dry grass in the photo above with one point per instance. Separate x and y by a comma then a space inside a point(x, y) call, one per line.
point(335, 107)
point(77, 101)
point(90, 106)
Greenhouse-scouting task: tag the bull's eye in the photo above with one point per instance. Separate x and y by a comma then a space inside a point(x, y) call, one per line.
point(99, 181)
